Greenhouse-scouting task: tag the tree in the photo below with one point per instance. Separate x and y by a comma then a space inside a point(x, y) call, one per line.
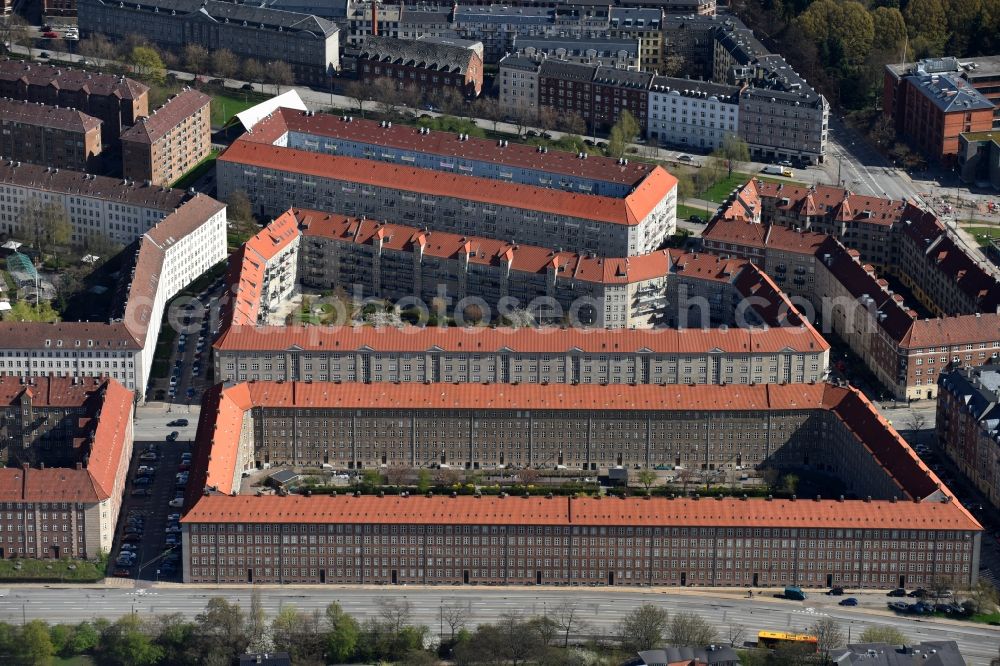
point(737, 632)
point(299, 635)
point(175, 636)
point(397, 475)
point(622, 134)
point(279, 73)
point(423, 480)
point(341, 633)
point(828, 635)
point(488, 108)
point(257, 629)
point(548, 118)
point(647, 478)
point(225, 64)
point(522, 119)
point(15, 31)
point(983, 597)
point(222, 629)
point(789, 483)
point(358, 92)
point(685, 186)
point(566, 617)
point(643, 628)
point(195, 58)
point(572, 123)
point(147, 64)
point(98, 46)
point(883, 634)
point(672, 65)
point(691, 629)
point(395, 613)
point(685, 476)
point(51, 224)
point(36, 644)
point(527, 476)
point(890, 32)
point(455, 614)
point(385, 92)
point(927, 22)
point(127, 642)
point(252, 70)
point(735, 151)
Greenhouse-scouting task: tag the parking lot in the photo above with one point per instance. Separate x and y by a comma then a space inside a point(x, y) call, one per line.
point(150, 511)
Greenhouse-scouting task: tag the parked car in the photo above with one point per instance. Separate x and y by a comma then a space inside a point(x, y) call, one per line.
point(132, 538)
point(179, 423)
point(142, 481)
point(140, 492)
point(173, 539)
point(172, 437)
point(685, 158)
point(898, 592)
point(697, 219)
point(918, 593)
point(148, 456)
point(122, 572)
point(186, 456)
point(129, 547)
point(176, 503)
point(898, 606)
point(50, 34)
point(835, 591)
point(849, 601)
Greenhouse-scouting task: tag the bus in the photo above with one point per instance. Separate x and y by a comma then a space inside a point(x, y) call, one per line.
point(780, 639)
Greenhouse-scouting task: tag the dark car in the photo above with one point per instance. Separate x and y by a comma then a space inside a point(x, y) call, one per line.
point(898, 606)
point(132, 538)
point(835, 591)
point(246, 86)
point(181, 423)
point(140, 492)
point(172, 437)
point(918, 593)
point(697, 219)
point(143, 481)
point(849, 601)
point(898, 592)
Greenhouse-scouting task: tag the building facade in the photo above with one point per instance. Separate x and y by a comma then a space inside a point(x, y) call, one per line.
point(116, 101)
point(420, 64)
point(606, 52)
point(575, 541)
point(598, 94)
point(49, 135)
point(692, 114)
point(968, 424)
point(518, 85)
point(447, 199)
point(72, 442)
point(168, 256)
point(309, 44)
point(164, 146)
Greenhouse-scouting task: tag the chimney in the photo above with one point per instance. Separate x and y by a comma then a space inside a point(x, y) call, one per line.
point(375, 18)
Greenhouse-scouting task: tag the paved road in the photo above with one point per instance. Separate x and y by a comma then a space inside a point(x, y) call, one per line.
point(601, 608)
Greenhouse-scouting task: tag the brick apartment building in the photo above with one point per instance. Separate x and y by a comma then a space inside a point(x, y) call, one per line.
point(49, 135)
point(968, 424)
point(307, 43)
point(421, 64)
point(599, 94)
point(116, 101)
point(67, 443)
point(934, 101)
point(906, 352)
point(548, 540)
point(448, 183)
point(164, 146)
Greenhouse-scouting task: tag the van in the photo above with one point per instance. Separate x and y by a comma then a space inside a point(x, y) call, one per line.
point(794, 593)
point(777, 170)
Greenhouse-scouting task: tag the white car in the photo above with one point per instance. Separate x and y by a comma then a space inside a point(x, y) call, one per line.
point(176, 503)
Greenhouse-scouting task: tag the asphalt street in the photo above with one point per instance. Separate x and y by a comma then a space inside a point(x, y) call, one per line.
point(601, 608)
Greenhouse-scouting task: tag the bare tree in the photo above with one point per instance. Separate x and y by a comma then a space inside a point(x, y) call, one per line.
point(252, 70)
point(691, 629)
point(828, 635)
point(385, 92)
point(941, 586)
point(14, 32)
point(358, 92)
point(685, 476)
point(488, 108)
point(279, 73)
point(643, 628)
point(566, 617)
point(522, 119)
point(98, 46)
point(528, 475)
point(224, 63)
point(456, 615)
point(397, 476)
point(195, 58)
point(736, 634)
point(257, 627)
point(548, 118)
point(572, 123)
point(395, 613)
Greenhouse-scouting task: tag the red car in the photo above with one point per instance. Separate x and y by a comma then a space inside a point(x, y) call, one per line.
point(122, 573)
point(50, 35)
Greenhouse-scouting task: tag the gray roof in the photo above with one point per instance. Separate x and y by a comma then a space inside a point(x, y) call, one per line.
point(423, 16)
point(741, 43)
point(504, 14)
point(219, 11)
point(578, 47)
point(930, 653)
point(950, 92)
point(442, 57)
point(629, 17)
point(979, 390)
point(511, 61)
point(623, 78)
point(697, 88)
point(713, 654)
point(570, 71)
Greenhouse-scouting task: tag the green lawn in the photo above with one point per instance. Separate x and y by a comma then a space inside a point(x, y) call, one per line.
point(720, 191)
point(225, 107)
point(49, 571)
point(78, 660)
point(197, 171)
point(983, 234)
point(684, 212)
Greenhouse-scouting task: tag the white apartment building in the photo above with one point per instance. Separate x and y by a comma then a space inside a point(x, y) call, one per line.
point(692, 114)
point(518, 80)
point(263, 273)
point(119, 210)
point(185, 244)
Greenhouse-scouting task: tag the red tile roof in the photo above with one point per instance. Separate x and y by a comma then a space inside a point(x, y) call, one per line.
point(585, 511)
point(761, 236)
point(447, 144)
point(150, 129)
point(520, 340)
point(246, 267)
point(629, 211)
point(65, 78)
point(112, 437)
point(44, 115)
point(835, 202)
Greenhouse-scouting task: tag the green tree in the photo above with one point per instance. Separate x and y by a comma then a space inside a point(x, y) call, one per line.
point(691, 629)
point(85, 638)
point(221, 629)
point(685, 186)
point(647, 478)
point(224, 63)
point(844, 27)
point(423, 480)
point(25, 311)
point(176, 637)
point(127, 642)
point(734, 151)
point(927, 22)
point(962, 18)
point(342, 632)
point(299, 635)
point(35, 644)
point(643, 628)
point(195, 58)
point(789, 483)
point(890, 32)
point(147, 64)
point(622, 134)
point(883, 634)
